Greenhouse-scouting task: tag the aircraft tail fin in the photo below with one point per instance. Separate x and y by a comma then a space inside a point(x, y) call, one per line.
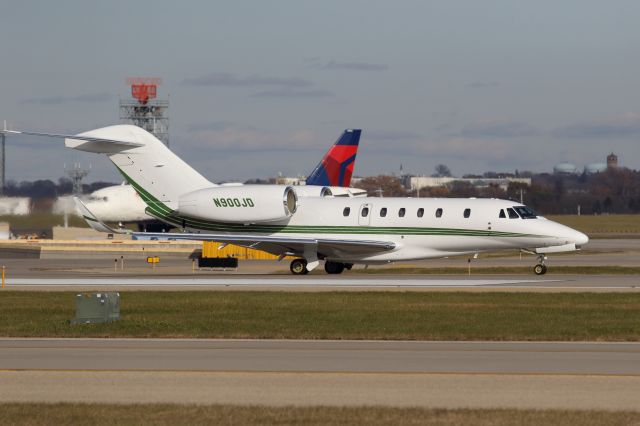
point(336, 167)
point(155, 172)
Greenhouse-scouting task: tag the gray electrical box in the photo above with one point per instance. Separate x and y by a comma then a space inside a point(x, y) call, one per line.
point(94, 308)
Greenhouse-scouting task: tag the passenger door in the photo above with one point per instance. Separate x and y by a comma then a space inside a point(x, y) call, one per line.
point(364, 215)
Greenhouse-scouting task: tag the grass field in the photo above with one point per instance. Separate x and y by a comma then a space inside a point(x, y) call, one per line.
point(337, 315)
point(163, 414)
point(615, 224)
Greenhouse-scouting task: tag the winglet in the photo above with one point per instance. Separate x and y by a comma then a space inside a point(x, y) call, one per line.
point(92, 220)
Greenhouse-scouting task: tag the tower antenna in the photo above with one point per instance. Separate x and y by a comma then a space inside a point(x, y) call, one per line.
point(144, 109)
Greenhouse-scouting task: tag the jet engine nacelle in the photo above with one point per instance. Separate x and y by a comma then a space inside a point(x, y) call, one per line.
point(240, 204)
point(313, 191)
point(328, 191)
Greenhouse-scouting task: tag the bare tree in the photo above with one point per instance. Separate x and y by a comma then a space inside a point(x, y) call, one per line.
point(383, 186)
point(442, 171)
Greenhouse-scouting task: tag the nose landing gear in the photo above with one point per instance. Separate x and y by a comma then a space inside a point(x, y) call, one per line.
point(540, 268)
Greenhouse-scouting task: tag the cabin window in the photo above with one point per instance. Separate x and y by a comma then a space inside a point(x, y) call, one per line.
point(502, 215)
point(346, 211)
point(401, 212)
point(420, 212)
point(383, 212)
point(467, 213)
point(512, 213)
point(365, 212)
point(438, 212)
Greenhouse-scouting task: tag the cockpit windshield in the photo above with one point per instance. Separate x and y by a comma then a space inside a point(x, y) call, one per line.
point(525, 212)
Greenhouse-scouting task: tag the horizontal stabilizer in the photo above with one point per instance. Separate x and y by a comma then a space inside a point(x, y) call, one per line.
point(88, 142)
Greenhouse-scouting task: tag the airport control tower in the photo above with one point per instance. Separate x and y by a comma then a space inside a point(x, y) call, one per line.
point(144, 109)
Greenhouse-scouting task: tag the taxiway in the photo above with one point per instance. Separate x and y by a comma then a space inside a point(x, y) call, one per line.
point(624, 283)
point(429, 374)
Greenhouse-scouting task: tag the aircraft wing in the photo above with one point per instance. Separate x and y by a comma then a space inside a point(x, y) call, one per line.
point(279, 244)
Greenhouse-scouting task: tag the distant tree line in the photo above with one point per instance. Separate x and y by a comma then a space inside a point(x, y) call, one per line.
point(46, 188)
point(612, 191)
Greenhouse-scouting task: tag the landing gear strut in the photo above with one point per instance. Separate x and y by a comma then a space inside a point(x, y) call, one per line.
point(299, 267)
point(334, 267)
point(540, 268)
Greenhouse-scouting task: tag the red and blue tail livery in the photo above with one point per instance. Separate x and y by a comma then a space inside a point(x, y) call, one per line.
point(336, 167)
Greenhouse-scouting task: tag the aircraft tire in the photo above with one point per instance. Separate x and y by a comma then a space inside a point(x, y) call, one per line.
point(540, 269)
point(298, 267)
point(333, 267)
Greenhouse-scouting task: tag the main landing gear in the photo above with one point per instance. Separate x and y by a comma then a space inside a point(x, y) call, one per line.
point(540, 268)
point(333, 267)
point(299, 267)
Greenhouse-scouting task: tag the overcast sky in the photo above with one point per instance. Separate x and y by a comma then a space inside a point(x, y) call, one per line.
point(262, 87)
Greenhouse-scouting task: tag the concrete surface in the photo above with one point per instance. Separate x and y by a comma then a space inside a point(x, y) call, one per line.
point(428, 374)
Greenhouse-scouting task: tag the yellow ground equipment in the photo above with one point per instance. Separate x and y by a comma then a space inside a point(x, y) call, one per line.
point(215, 249)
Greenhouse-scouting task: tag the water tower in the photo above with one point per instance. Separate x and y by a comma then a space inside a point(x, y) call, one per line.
point(144, 109)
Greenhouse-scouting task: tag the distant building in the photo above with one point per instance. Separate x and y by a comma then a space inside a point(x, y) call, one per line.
point(595, 168)
point(565, 169)
point(417, 182)
point(285, 180)
point(570, 169)
point(355, 180)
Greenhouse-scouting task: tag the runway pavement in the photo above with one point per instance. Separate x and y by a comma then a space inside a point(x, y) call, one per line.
point(430, 374)
point(271, 281)
point(620, 252)
point(625, 283)
point(119, 272)
point(321, 356)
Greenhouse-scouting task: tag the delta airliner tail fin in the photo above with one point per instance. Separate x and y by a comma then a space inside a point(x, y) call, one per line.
point(336, 167)
point(156, 173)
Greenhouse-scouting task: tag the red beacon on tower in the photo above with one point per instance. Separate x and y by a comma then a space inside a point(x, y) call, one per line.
point(144, 109)
point(144, 88)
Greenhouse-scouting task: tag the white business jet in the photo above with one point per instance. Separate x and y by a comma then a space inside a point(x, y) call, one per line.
point(340, 231)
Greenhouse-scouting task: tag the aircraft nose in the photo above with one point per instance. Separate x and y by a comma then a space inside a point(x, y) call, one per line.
point(579, 238)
